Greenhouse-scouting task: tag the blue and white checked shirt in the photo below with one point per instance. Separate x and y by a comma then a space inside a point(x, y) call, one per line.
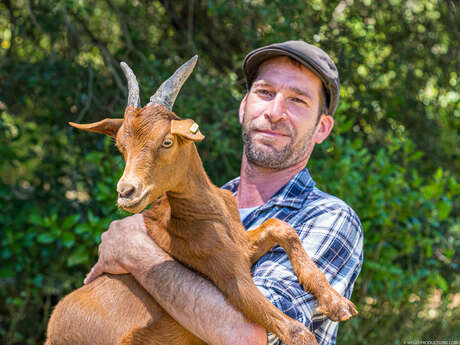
point(331, 234)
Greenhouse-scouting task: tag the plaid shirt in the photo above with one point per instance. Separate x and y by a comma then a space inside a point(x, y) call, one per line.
point(331, 234)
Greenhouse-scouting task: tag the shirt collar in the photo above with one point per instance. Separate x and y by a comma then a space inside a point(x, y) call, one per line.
point(293, 194)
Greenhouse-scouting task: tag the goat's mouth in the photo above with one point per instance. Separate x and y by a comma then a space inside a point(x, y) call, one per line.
point(136, 204)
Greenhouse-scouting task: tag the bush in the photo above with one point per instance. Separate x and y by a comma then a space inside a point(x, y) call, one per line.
point(406, 283)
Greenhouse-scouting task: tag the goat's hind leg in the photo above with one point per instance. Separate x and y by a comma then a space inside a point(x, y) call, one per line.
point(165, 331)
point(273, 231)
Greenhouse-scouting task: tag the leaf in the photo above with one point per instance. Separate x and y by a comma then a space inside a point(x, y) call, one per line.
point(18, 301)
point(68, 239)
point(92, 218)
point(454, 186)
point(441, 283)
point(38, 280)
point(444, 207)
point(7, 272)
point(415, 156)
point(6, 253)
point(45, 238)
point(449, 253)
point(70, 221)
point(428, 250)
point(36, 219)
point(79, 256)
point(82, 228)
point(431, 191)
point(438, 174)
point(357, 143)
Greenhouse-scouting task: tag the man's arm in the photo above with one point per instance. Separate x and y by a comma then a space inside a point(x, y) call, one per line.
point(189, 298)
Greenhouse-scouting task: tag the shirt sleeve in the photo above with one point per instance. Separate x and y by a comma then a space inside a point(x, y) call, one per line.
point(334, 240)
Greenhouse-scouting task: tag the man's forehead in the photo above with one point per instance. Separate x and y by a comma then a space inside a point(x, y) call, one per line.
point(284, 71)
point(286, 60)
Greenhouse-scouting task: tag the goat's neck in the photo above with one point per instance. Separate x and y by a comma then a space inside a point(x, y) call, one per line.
point(197, 198)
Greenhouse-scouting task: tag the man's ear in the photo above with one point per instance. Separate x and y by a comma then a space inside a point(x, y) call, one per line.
point(106, 126)
point(187, 129)
point(324, 128)
point(242, 107)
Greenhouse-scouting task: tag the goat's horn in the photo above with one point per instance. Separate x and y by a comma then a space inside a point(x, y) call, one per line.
point(167, 92)
point(133, 86)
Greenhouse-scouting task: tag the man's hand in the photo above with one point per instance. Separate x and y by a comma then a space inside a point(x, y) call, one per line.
point(124, 246)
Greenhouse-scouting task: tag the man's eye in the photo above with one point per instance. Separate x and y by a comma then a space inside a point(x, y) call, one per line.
point(298, 100)
point(264, 92)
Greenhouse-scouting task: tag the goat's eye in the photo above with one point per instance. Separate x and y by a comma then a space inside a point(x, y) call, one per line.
point(167, 143)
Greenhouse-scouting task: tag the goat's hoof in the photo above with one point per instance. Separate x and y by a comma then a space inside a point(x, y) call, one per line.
point(299, 335)
point(309, 339)
point(336, 307)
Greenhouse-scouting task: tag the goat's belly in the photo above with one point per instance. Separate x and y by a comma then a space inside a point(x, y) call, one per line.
point(101, 312)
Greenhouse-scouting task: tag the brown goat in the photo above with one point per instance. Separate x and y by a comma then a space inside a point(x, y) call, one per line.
point(195, 222)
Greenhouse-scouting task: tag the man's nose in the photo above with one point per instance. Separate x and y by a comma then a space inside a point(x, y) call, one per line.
point(277, 110)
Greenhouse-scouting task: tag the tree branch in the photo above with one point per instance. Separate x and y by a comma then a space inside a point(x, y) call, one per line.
point(90, 95)
point(190, 22)
point(211, 42)
point(108, 58)
point(30, 13)
point(125, 29)
point(13, 26)
point(339, 9)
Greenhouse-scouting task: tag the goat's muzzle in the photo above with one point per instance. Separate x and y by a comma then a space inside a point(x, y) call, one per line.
point(132, 196)
point(126, 191)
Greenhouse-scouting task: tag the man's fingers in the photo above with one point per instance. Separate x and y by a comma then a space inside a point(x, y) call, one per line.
point(95, 272)
point(110, 252)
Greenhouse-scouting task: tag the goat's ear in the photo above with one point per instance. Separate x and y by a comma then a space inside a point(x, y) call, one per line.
point(106, 126)
point(187, 129)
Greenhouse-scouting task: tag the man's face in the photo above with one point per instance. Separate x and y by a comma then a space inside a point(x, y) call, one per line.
point(279, 115)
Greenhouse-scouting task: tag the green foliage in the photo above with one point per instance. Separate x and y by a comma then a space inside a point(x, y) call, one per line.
point(393, 155)
point(409, 242)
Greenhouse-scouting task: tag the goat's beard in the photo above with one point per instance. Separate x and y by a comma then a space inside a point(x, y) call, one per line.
point(267, 156)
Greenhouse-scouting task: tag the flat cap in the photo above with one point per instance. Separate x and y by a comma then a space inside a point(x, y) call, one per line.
point(310, 56)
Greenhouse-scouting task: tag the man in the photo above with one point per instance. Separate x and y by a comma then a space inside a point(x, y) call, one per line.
point(293, 91)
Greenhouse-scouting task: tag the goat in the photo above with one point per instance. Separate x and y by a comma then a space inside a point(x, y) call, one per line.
point(195, 222)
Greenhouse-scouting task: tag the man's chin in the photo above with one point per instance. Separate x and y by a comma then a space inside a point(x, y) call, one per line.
point(270, 149)
point(267, 158)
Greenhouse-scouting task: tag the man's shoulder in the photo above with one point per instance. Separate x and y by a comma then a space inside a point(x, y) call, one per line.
point(231, 185)
point(325, 216)
point(319, 202)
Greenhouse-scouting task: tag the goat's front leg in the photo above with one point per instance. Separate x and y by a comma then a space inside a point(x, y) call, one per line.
point(273, 231)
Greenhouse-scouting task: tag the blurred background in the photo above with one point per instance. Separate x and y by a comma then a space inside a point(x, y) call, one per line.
point(393, 155)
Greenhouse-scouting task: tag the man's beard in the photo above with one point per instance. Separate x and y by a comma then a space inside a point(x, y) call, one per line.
point(270, 157)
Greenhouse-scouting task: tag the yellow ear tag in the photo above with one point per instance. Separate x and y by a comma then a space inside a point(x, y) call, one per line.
point(194, 128)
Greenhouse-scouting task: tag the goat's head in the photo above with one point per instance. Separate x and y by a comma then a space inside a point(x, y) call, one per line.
point(154, 141)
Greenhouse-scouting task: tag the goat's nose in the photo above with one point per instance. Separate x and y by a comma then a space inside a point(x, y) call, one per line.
point(126, 191)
